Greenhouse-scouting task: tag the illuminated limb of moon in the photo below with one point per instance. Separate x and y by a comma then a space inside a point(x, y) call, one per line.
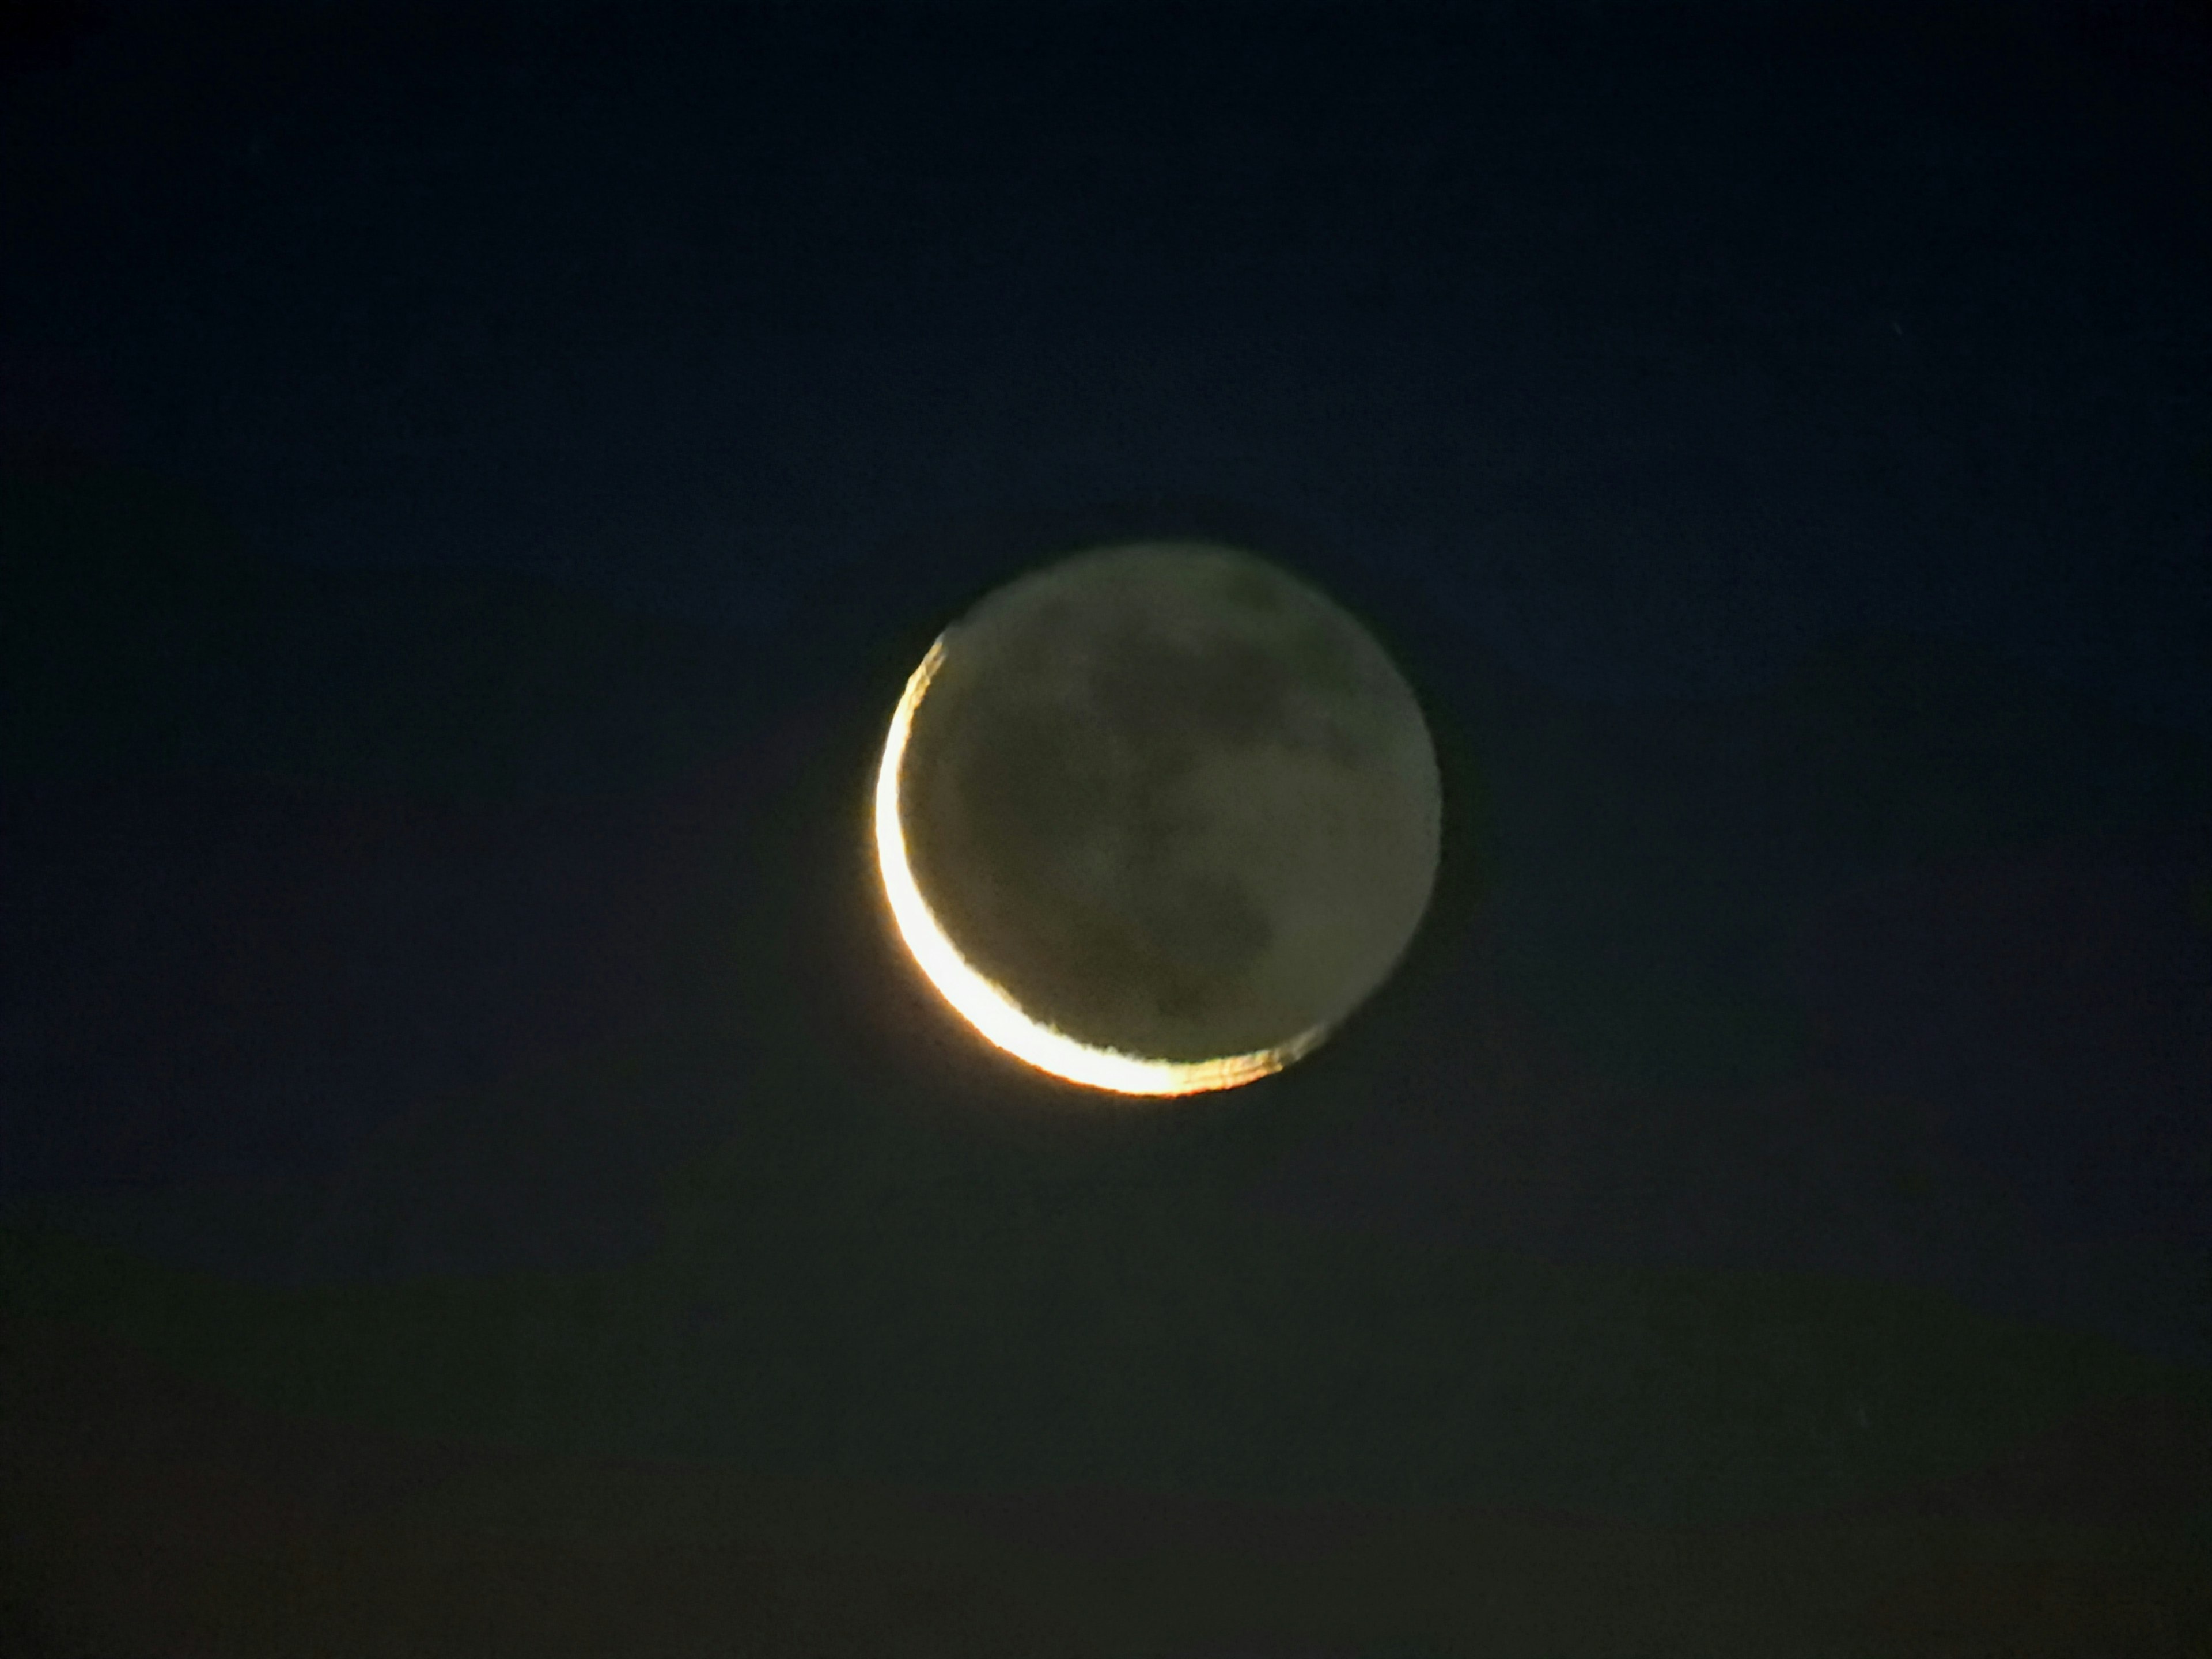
point(988, 1006)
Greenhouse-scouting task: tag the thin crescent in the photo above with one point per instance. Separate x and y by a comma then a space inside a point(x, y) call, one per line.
point(986, 1005)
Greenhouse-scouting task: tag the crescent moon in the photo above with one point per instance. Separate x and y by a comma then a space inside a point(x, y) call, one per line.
point(1322, 810)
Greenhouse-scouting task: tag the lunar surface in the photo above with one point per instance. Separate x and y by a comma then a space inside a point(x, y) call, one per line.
point(1158, 817)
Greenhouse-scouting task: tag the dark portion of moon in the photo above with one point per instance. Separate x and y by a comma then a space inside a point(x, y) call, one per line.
point(1171, 799)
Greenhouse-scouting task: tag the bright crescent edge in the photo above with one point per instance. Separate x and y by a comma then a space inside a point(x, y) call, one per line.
point(987, 1006)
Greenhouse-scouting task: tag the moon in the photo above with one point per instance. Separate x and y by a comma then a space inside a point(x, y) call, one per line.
point(1157, 818)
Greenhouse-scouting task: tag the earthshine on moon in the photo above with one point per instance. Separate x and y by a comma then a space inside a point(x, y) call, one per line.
point(1156, 818)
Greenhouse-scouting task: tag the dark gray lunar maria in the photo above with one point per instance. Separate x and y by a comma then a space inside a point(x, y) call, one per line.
point(1170, 800)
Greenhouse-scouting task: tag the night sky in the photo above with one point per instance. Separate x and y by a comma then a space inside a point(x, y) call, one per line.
point(478, 1174)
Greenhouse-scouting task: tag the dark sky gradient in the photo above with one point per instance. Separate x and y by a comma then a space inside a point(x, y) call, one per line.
point(475, 478)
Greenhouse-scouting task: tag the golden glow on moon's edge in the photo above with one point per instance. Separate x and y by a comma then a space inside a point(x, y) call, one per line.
point(987, 1006)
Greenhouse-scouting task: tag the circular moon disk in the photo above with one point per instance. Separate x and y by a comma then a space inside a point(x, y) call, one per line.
point(1157, 818)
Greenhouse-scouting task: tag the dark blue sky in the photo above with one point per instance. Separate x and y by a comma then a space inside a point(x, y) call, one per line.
point(1651, 345)
point(479, 475)
point(1634, 352)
